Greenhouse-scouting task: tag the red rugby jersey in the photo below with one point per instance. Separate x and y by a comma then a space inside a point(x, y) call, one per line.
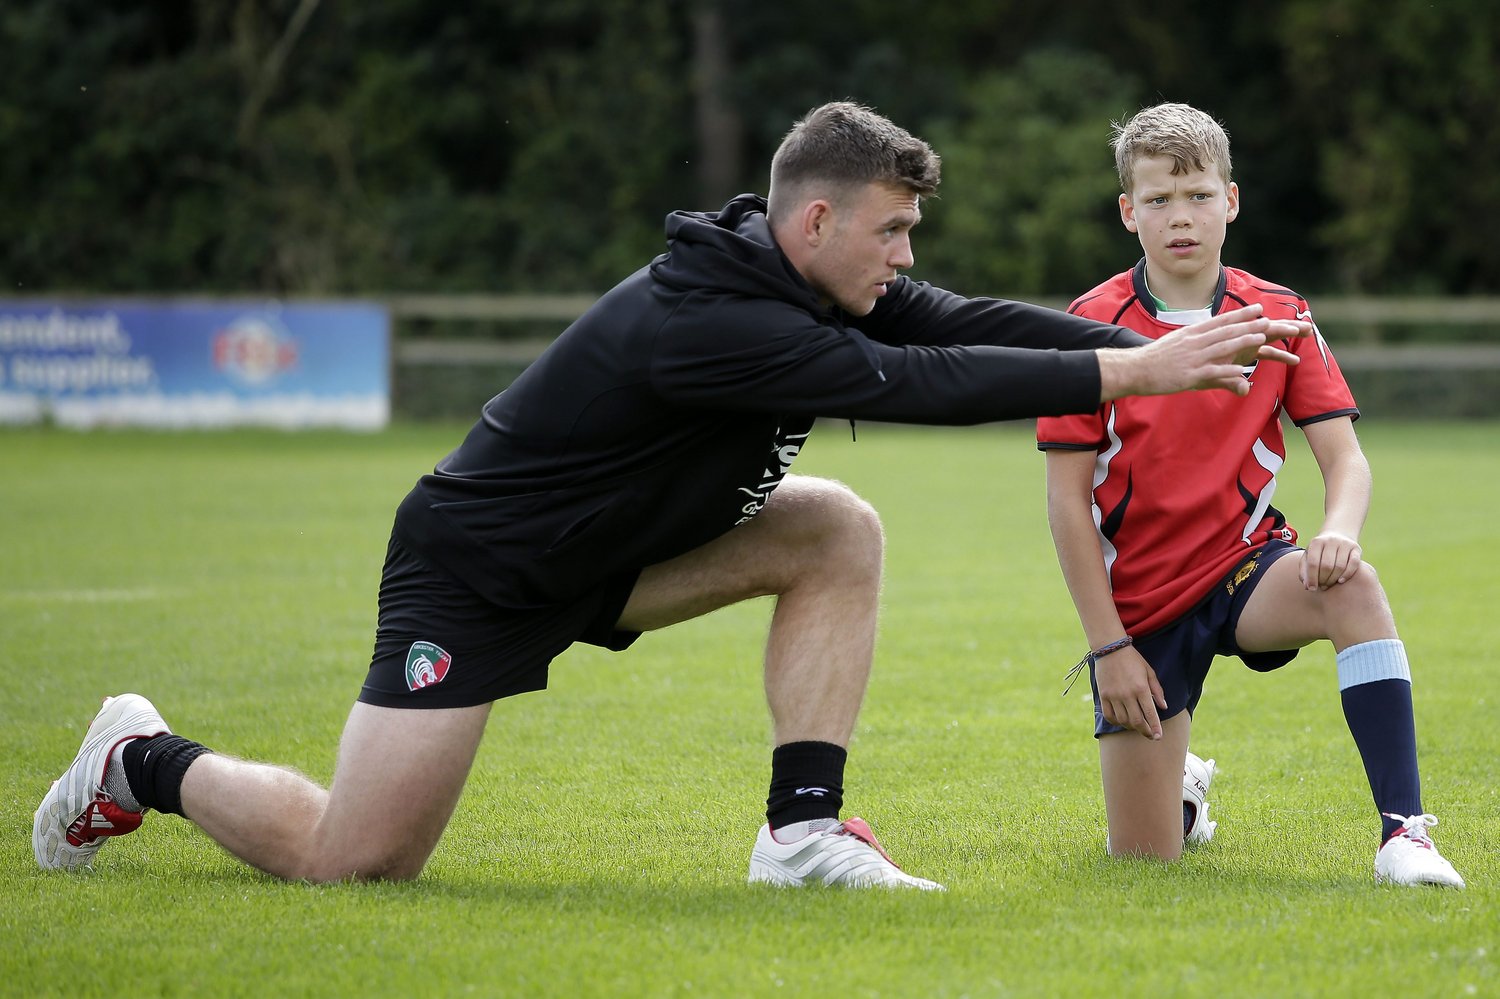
point(1183, 482)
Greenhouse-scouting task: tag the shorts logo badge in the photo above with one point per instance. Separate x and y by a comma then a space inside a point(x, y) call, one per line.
point(1243, 573)
point(426, 664)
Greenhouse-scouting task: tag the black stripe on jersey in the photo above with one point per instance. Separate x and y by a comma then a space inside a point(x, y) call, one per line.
point(1109, 525)
point(1352, 413)
point(1142, 291)
point(1297, 303)
point(1078, 305)
point(1066, 446)
point(1220, 291)
point(1251, 500)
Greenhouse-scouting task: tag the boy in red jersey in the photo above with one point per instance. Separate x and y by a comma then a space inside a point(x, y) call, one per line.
point(1160, 509)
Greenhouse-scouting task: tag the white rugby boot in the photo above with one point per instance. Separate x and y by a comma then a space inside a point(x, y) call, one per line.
point(844, 853)
point(78, 815)
point(1410, 858)
point(1197, 775)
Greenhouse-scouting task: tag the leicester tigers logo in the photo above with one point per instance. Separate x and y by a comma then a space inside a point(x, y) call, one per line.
point(426, 664)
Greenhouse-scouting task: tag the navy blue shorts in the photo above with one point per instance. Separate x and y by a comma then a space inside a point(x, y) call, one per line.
point(438, 644)
point(1182, 652)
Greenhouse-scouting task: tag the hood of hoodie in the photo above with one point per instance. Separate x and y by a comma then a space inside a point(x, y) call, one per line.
point(732, 250)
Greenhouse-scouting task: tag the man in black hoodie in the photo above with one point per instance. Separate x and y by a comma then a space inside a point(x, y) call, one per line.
point(635, 476)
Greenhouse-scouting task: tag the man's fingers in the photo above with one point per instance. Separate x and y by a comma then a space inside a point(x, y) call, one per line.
point(1270, 353)
point(1279, 329)
point(1241, 315)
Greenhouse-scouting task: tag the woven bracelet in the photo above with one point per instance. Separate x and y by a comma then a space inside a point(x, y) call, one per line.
point(1091, 658)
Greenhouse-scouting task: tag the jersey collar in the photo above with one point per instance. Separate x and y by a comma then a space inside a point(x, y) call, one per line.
point(1148, 302)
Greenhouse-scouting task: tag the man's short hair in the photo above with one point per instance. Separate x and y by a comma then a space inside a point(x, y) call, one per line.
point(842, 146)
point(1193, 139)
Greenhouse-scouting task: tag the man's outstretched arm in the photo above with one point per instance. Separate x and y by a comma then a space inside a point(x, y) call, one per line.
point(1210, 354)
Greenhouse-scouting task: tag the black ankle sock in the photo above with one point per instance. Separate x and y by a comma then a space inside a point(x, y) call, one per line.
point(807, 782)
point(154, 769)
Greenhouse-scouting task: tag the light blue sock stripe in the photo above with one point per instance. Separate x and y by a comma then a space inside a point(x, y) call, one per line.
point(1382, 659)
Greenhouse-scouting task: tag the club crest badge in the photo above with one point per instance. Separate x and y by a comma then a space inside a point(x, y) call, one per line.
point(1241, 574)
point(426, 664)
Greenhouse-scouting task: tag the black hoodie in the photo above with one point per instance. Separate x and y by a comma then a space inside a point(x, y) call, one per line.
point(669, 411)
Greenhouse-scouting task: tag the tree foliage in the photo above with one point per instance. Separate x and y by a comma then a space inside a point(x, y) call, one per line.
point(335, 147)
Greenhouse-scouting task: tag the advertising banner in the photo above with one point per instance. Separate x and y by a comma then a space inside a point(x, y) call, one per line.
point(195, 364)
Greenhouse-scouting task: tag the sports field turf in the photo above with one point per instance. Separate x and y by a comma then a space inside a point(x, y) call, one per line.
point(600, 849)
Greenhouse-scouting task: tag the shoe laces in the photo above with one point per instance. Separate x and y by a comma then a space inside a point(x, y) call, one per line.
point(1414, 827)
point(859, 829)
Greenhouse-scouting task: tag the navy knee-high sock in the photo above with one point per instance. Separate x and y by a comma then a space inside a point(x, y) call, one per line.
point(1375, 688)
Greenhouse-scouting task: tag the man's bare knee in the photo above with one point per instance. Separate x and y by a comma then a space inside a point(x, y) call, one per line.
point(398, 780)
point(393, 865)
point(844, 532)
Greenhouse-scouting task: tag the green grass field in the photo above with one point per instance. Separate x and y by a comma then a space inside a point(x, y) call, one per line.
point(600, 849)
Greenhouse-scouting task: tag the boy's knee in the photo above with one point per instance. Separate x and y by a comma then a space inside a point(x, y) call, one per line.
point(1357, 607)
point(1366, 583)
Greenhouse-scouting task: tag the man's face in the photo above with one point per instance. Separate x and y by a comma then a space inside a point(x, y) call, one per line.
point(864, 241)
point(1180, 219)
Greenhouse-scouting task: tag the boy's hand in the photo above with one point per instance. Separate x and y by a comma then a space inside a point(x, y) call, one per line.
point(1210, 354)
point(1129, 692)
point(1331, 558)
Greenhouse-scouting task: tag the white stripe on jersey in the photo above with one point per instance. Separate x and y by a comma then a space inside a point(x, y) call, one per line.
point(1101, 472)
point(1271, 462)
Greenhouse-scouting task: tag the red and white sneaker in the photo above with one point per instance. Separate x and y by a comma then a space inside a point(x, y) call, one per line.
point(844, 853)
point(1409, 858)
point(78, 815)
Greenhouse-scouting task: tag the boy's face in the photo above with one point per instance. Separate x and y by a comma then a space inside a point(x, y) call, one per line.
point(1180, 220)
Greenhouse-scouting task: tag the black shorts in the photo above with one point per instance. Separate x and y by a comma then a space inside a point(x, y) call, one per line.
point(438, 644)
point(1182, 652)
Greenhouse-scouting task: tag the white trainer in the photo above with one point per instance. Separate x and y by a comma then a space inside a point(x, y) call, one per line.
point(78, 815)
point(1409, 858)
point(845, 854)
point(1197, 775)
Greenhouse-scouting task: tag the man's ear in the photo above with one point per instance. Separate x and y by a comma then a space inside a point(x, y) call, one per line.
point(817, 221)
point(1127, 214)
point(1233, 202)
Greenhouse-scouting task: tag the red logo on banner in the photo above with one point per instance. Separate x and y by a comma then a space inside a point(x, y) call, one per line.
point(253, 351)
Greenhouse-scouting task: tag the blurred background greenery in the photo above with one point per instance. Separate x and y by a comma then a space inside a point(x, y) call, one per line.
point(503, 147)
point(340, 147)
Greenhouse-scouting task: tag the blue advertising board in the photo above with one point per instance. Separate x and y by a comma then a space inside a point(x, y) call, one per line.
point(198, 364)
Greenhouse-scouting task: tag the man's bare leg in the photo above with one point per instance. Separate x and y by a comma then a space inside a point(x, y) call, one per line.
point(819, 549)
point(816, 546)
point(398, 777)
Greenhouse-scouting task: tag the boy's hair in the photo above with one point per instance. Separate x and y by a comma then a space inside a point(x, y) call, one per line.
point(842, 146)
point(1194, 141)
